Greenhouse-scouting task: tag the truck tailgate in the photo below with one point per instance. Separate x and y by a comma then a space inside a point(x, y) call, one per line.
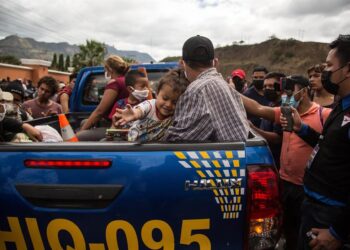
point(90, 196)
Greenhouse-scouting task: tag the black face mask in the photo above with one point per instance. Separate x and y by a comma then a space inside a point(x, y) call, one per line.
point(258, 83)
point(270, 95)
point(327, 83)
point(239, 84)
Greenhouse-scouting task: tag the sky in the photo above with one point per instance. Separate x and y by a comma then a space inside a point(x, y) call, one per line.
point(160, 27)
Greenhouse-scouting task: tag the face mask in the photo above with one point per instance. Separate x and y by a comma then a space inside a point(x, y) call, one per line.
point(239, 84)
point(270, 95)
point(2, 112)
point(107, 77)
point(140, 95)
point(327, 83)
point(292, 102)
point(258, 83)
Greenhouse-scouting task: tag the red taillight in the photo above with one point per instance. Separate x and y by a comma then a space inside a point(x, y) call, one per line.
point(67, 163)
point(263, 187)
point(264, 207)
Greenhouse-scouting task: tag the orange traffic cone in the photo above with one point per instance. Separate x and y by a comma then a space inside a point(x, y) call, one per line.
point(66, 129)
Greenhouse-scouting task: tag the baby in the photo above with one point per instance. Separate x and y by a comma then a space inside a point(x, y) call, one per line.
point(153, 117)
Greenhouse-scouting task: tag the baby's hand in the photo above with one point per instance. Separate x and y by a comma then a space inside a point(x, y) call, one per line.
point(123, 116)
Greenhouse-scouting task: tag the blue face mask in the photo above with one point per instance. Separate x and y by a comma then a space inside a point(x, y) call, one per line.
point(292, 102)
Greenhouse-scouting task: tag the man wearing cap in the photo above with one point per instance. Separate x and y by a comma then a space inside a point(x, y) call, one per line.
point(16, 89)
point(238, 79)
point(12, 125)
point(209, 110)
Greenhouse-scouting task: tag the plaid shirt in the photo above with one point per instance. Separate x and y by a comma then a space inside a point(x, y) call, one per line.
point(209, 110)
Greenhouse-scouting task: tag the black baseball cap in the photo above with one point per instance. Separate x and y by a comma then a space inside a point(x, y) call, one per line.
point(198, 49)
point(15, 87)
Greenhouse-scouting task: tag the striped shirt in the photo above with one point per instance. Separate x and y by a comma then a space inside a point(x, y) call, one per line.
point(209, 110)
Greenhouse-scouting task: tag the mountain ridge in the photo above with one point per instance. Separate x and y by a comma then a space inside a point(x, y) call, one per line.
point(32, 49)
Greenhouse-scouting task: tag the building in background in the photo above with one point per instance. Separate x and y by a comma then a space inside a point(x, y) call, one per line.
point(32, 69)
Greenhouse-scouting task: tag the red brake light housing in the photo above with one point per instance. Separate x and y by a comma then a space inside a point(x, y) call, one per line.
point(264, 207)
point(82, 163)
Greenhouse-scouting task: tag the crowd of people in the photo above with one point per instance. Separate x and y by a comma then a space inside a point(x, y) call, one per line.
point(195, 103)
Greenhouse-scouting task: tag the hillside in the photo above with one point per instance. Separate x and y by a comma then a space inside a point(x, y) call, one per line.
point(32, 49)
point(288, 56)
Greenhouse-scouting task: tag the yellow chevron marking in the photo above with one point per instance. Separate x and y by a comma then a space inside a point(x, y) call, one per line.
point(180, 155)
point(239, 199)
point(236, 163)
point(195, 164)
point(204, 154)
point(234, 172)
point(237, 191)
point(216, 163)
point(226, 192)
point(221, 200)
point(222, 208)
point(216, 192)
point(201, 174)
point(229, 154)
point(217, 172)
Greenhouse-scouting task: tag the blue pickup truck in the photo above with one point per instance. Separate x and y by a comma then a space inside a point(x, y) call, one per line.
point(124, 195)
point(91, 82)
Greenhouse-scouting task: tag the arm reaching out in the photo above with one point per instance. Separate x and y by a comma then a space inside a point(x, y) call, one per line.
point(123, 116)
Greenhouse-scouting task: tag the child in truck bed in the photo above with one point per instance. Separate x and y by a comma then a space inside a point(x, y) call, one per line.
point(153, 117)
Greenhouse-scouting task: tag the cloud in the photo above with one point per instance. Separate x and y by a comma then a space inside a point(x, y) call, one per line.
point(320, 7)
point(160, 27)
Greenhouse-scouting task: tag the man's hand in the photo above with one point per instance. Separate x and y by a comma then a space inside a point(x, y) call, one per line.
point(30, 111)
point(32, 132)
point(296, 119)
point(123, 116)
point(324, 240)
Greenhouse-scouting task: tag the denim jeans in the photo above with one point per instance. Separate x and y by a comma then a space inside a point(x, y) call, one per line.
point(315, 215)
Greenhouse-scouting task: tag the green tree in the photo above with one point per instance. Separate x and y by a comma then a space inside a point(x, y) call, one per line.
point(67, 65)
point(10, 60)
point(54, 61)
point(171, 59)
point(129, 60)
point(92, 53)
point(60, 63)
point(76, 62)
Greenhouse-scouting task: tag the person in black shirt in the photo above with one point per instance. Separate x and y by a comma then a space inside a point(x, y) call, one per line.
point(326, 208)
point(271, 131)
point(256, 92)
